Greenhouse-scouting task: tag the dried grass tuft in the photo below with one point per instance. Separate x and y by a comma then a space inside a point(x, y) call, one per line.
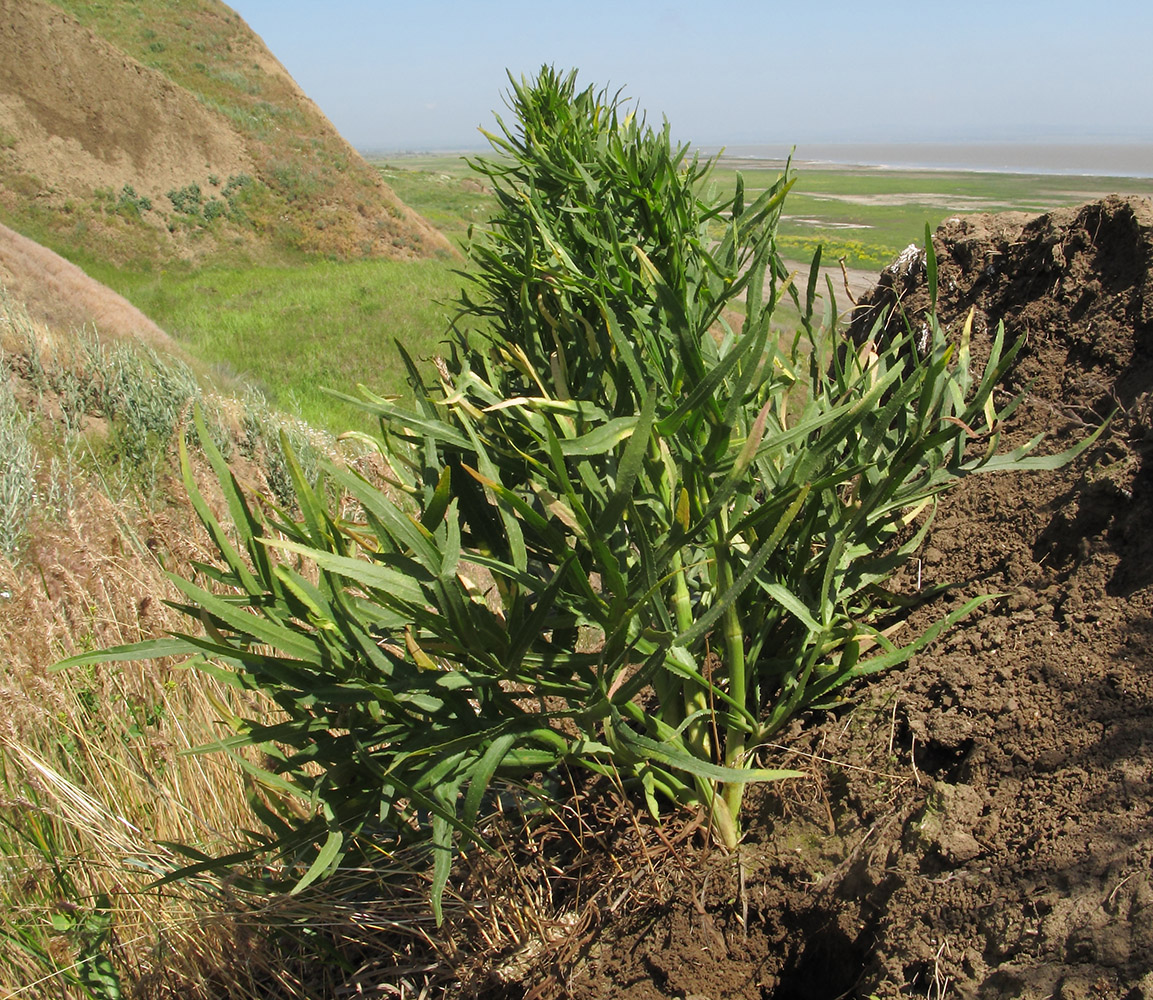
point(94, 776)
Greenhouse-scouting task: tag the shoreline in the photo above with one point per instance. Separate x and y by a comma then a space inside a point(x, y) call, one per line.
point(1084, 160)
point(1106, 161)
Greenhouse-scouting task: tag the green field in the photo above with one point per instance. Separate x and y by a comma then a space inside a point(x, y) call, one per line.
point(443, 189)
point(293, 332)
point(295, 329)
point(869, 215)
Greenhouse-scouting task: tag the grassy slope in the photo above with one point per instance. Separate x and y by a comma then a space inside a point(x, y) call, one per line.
point(97, 773)
point(293, 330)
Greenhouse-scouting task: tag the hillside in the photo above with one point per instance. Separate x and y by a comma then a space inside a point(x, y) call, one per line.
point(92, 515)
point(151, 131)
point(57, 293)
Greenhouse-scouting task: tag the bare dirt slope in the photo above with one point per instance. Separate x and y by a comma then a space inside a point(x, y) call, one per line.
point(979, 824)
point(82, 115)
point(108, 110)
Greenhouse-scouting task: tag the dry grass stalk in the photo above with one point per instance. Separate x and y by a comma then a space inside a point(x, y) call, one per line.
point(94, 778)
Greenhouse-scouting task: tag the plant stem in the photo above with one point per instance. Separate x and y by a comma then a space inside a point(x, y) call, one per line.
point(734, 645)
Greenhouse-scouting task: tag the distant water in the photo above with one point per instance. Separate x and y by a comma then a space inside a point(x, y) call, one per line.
point(1105, 159)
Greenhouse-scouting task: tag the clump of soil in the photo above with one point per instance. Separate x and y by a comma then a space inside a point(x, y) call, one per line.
point(980, 823)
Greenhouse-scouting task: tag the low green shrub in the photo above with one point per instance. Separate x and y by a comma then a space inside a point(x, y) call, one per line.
point(625, 530)
point(188, 200)
point(132, 205)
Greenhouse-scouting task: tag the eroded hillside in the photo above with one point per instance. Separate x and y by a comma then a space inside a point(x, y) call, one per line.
point(153, 131)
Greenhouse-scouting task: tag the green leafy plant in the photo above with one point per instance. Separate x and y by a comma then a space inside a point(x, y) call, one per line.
point(188, 199)
point(93, 969)
point(629, 525)
point(85, 924)
point(132, 205)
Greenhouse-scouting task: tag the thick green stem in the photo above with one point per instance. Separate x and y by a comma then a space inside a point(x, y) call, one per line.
point(674, 699)
point(725, 823)
point(670, 688)
point(697, 734)
point(682, 603)
point(734, 640)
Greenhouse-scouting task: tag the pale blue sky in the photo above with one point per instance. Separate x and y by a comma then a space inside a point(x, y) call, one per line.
point(425, 73)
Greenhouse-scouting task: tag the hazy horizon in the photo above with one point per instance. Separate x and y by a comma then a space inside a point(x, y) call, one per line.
point(427, 76)
point(1086, 158)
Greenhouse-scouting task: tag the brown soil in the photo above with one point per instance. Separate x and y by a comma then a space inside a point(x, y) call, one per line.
point(82, 113)
point(980, 823)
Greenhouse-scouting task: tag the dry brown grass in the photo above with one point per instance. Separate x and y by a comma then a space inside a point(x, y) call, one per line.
point(95, 777)
point(59, 295)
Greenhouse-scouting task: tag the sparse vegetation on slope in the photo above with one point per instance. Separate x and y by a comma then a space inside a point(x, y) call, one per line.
point(207, 148)
point(92, 780)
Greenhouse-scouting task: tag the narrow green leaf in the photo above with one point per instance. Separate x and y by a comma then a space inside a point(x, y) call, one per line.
point(630, 466)
point(600, 440)
point(481, 775)
point(672, 756)
point(702, 625)
point(400, 585)
point(931, 268)
point(326, 860)
point(259, 628)
point(149, 649)
point(792, 604)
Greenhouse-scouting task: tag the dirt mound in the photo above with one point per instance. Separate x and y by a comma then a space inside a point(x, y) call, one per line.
point(979, 824)
point(153, 130)
point(1076, 281)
